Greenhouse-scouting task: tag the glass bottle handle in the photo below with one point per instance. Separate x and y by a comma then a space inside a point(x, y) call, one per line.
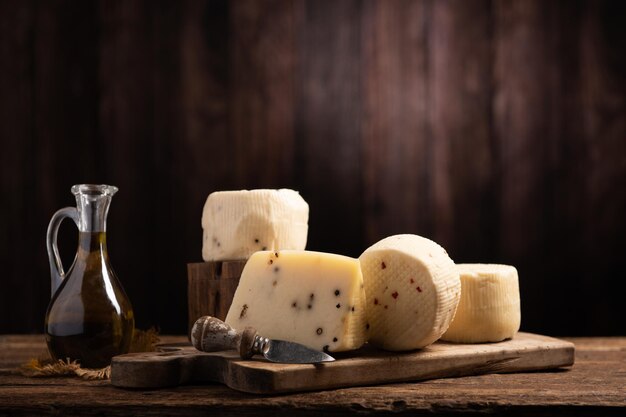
point(57, 274)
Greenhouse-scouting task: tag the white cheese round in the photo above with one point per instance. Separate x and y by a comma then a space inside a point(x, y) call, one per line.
point(489, 310)
point(238, 223)
point(412, 290)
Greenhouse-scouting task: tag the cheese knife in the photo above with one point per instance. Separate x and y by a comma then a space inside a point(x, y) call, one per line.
point(210, 334)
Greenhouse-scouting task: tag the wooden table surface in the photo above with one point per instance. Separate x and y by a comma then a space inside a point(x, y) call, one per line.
point(595, 385)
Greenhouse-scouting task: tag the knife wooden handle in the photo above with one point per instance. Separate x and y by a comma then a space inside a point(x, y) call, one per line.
point(210, 334)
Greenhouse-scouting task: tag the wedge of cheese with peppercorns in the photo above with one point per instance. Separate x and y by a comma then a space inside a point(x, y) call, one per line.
point(489, 309)
point(236, 224)
point(412, 290)
point(312, 298)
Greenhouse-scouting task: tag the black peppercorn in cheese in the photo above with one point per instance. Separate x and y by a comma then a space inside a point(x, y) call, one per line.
point(412, 290)
point(313, 298)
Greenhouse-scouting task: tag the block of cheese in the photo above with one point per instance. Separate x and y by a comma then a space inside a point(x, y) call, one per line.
point(489, 310)
point(412, 289)
point(238, 223)
point(312, 298)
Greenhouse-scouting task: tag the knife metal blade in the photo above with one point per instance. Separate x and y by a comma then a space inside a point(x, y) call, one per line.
point(210, 334)
point(283, 351)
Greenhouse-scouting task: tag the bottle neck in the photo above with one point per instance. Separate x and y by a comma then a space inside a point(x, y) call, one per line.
point(92, 212)
point(92, 202)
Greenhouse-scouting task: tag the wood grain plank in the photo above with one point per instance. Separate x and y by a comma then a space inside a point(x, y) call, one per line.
point(173, 100)
point(545, 119)
point(464, 160)
point(17, 135)
point(328, 123)
point(261, 92)
point(396, 147)
point(168, 178)
point(51, 120)
point(65, 128)
point(602, 85)
point(139, 123)
point(204, 153)
point(523, 119)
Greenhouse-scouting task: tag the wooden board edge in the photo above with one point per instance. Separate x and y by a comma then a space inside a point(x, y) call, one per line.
point(165, 369)
point(267, 382)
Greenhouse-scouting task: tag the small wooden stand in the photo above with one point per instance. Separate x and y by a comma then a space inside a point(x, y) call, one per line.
point(211, 287)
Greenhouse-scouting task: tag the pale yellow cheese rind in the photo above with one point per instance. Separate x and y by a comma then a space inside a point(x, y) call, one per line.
point(489, 309)
point(236, 224)
point(312, 298)
point(412, 290)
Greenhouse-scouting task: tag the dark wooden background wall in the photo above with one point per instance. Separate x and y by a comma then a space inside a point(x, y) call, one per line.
point(496, 128)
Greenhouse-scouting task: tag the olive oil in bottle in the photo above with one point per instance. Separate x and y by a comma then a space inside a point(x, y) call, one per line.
point(90, 318)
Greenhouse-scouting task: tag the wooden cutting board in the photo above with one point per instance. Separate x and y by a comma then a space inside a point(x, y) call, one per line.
point(177, 365)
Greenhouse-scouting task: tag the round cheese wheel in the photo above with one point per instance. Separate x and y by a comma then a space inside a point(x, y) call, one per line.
point(412, 290)
point(489, 309)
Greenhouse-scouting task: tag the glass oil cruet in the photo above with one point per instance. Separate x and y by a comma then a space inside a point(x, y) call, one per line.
point(89, 318)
